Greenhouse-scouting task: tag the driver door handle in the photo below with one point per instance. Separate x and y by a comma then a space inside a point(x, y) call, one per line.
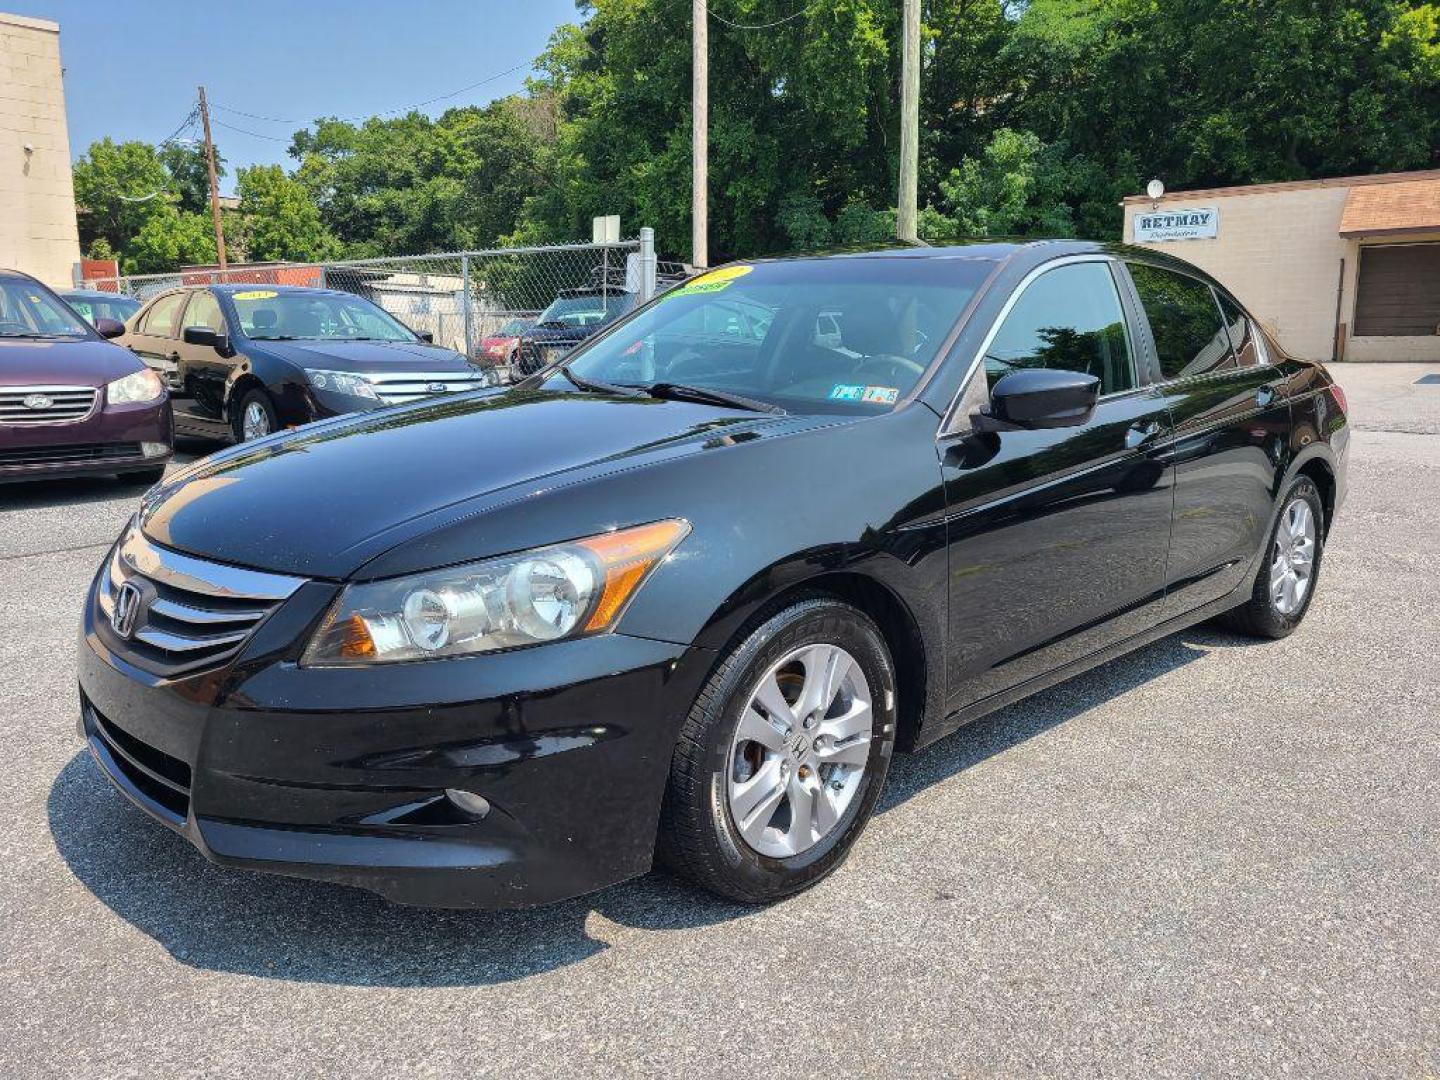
point(1138, 434)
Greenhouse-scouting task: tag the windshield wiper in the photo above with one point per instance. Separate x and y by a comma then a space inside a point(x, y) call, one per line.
point(42, 337)
point(274, 337)
point(684, 391)
point(594, 386)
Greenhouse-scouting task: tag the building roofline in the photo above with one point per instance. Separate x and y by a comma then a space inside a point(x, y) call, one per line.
point(29, 23)
point(1290, 185)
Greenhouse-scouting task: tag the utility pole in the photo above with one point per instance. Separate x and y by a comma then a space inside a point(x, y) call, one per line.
point(214, 183)
point(699, 134)
point(905, 218)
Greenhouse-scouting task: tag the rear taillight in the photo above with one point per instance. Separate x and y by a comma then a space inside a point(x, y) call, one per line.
point(1339, 396)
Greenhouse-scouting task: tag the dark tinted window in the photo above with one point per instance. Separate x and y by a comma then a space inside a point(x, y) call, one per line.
point(163, 319)
point(1242, 334)
point(810, 335)
point(1189, 337)
point(1069, 320)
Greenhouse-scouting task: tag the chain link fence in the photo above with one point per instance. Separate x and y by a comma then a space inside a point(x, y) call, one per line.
point(471, 301)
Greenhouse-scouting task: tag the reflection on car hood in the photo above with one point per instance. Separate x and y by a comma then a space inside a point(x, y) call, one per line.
point(84, 362)
point(323, 500)
point(362, 356)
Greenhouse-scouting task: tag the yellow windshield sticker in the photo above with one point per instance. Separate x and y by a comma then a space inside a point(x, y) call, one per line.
point(713, 282)
point(256, 294)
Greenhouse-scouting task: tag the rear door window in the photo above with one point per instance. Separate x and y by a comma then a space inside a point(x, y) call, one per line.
point(1068, 319)
point(1190, 338)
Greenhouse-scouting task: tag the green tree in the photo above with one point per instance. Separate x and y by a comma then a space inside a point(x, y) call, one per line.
point(169, 239)
point(189, 175)
point(278, 221)
point(118, 188)
point(1016, 187)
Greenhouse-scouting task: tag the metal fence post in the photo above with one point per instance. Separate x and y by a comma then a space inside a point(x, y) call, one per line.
point(467, 307)
point(647, 264)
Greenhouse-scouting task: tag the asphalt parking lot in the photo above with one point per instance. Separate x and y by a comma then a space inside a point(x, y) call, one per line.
point(1212, 857)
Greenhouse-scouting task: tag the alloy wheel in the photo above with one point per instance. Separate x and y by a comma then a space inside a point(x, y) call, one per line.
point(255, 422)
point(1292, 562)
point(800, 750)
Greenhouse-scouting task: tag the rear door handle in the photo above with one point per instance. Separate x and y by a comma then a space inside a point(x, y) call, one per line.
point(1265, 396)
point(1139, 434)
point(174, 358)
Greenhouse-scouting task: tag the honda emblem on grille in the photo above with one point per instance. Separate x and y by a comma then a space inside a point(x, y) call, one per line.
point(38, 401)
point(126, 609)
point(436, 387)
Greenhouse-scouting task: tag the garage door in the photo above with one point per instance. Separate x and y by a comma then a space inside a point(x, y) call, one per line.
point(1398, 294)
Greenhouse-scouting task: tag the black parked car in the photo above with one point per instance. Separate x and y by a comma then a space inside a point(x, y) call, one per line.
point(573, 316)
point(690, 590)
point(244, 360)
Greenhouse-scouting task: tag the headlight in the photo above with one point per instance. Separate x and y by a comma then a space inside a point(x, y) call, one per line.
point(341, 382)
point(549, 593)
point(142, 385)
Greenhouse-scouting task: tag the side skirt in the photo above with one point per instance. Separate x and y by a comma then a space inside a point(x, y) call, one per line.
point(985, 706)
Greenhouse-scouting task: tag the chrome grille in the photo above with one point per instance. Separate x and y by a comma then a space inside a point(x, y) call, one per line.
point(396, 388)
point(46, 404)
point(189, 613)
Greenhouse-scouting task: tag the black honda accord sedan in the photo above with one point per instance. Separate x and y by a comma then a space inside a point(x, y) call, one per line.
point(685, 593)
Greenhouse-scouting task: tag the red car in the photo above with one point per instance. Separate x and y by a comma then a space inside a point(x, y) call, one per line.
point(71, 402)
point(499, 347)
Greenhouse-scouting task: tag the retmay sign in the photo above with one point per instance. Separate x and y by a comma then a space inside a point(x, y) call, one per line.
point(1188, 223)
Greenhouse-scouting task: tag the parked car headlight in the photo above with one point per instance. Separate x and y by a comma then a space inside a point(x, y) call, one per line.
point(142, 385)
point(341, 382)
point(549, 593)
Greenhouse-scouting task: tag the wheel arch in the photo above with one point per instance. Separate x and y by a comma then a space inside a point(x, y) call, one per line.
point(916, 683)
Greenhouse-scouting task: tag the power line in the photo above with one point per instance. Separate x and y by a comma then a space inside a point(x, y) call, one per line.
point(244, 131)
point(764, 26)
point(365, 116)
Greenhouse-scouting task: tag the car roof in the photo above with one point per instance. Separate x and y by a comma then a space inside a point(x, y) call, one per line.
point(99, 294)
point(252, 286)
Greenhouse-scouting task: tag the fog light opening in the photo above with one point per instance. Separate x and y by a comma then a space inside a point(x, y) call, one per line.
point(475, 805)
point(154, 449)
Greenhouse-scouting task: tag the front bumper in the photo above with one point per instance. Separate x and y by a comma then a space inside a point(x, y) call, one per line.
point(107, 442)
point(339, 774)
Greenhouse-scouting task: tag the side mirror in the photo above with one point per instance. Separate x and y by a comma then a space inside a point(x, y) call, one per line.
point(200, 335)
point(1040, 398)
point(109, 328)
point(426, 336)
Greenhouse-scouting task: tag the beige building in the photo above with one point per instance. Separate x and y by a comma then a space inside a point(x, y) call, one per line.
point(1347, 268)
point(37, 198)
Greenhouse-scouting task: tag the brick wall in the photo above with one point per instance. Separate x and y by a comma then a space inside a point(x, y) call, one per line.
point(37, 198)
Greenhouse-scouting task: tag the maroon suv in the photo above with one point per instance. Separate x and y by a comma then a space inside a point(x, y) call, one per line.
point(71, 402)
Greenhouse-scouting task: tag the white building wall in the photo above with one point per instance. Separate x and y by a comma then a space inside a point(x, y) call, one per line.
point(38, 233)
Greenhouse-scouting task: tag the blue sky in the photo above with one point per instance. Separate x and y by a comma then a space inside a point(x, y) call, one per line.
point(132, 66)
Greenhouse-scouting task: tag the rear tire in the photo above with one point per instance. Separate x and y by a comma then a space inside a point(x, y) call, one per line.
point(758, 819)
point(1290, 570)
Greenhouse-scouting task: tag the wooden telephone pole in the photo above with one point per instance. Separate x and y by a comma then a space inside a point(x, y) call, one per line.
point(906, 211)
point(699, 135)
point(214, 183)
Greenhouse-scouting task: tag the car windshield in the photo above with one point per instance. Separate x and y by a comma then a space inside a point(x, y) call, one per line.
point(119, 308)
point(807, 335)
point(271, 315)
point(581, 311)
point(514, 328)
point(29, 310)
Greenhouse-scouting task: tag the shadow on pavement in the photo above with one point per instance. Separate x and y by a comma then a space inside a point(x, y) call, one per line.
point(78, 491)
point(276, 927)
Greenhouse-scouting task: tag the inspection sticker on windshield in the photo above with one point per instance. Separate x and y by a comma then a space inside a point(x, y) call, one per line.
point(256, 294)
point(881, 395)
point(713, 282)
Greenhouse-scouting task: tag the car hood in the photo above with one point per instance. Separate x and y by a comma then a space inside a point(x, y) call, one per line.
point(63, 363)
point(366, 356)
point(323, 500)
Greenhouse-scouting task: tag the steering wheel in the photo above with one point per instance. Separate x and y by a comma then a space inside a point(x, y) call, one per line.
point(896, 367)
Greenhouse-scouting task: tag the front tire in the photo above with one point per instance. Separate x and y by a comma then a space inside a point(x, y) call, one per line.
point(1285, 583)
point(255, 416)
point(783, 756)
point(148, 477)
